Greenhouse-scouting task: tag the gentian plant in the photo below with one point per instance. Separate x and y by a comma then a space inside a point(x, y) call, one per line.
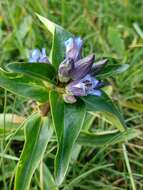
point(67, 88)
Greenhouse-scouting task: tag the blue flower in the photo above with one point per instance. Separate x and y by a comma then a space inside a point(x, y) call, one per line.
point(80, 72)
point(39, 56)
point(85, 86)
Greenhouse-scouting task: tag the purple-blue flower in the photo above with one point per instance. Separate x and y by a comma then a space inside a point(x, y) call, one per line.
point(85, 86)
point(39, 56)
point(79, 71)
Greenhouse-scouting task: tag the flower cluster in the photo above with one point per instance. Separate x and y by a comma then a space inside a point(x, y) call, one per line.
point(78, 72)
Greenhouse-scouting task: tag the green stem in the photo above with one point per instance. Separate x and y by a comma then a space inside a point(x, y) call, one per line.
point(54, 87)
point(128, 167)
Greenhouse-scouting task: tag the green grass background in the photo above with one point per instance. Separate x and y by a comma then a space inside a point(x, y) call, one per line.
point(108, 28)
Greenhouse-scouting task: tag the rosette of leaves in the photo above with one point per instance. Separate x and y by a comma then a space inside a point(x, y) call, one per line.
point(42, 83)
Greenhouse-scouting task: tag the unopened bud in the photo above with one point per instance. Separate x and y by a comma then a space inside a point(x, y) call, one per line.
point(98, 66)
point(82, 67)
point(64, 69)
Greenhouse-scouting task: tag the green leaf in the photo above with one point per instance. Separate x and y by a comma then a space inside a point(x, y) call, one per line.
point(68, 125)
point(59, 37)
point(104, 104)
point(88, 121)
point(57, 110)
point(106, 138)
point(37, 135)
point(24, 86)
point(40, 71)
point(116, 41)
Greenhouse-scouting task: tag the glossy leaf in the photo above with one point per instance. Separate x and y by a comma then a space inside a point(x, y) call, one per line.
point(57, 110)
point(68, 126)
point(88, 121)
point(106, 138)
point(40, 71)
point(24, 86)
point(104, 104)
point(37, 135)
point(60, 35)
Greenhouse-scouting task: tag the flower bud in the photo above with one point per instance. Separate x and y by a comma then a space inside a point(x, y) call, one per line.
point(82, 67)
point(73, 48)
point(98, 66)
point(64, 69)
point(87, 85)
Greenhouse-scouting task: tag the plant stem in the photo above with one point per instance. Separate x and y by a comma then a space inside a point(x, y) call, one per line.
point(128, 167)
point(54, 87)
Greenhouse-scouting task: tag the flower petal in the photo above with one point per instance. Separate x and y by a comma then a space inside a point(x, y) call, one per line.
point(76, 88)
point(83, 87)
point(35, 56)
point(38, 56)
point(95, 92)
point(74, 48)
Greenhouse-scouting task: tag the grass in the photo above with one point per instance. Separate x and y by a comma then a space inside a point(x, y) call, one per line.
point(109, 28)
